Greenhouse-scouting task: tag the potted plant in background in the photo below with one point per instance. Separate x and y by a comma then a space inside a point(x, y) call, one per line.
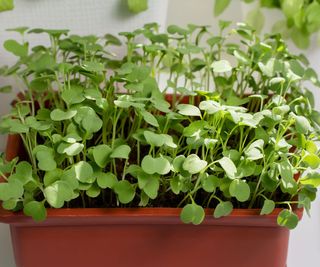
point(111, 160)
point(299, 23)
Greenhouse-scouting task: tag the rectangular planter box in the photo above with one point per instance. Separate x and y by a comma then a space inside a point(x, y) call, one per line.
point(146, 237)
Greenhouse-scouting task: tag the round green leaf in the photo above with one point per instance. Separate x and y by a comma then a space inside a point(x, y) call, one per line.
point(106, 180)
point(220, 6)
point(83, 172)
point(192, 213)
point(288, 219)
point(137, 6)
point(10, 204)
point(268, 207)
point(93, 66)
point(60, 115)
point(93, 191)
point(19, 50)
point(312, 178)
point(240, 190)
point(91, 122)
point(23, 172)
point(193, 164)
point(125, 191)
point(46, 161)
point(121, 152)
point(154, 139)
point(149, 184)
point(188, 110)
point(74, 95)
point(36, 210)
point(312, 160)
point(158, 165)
point(101, 155)
point(72, 149)
point(57, 193)
point(210, 183)
point(223, 209)
point(11, 190)
point(221, 66)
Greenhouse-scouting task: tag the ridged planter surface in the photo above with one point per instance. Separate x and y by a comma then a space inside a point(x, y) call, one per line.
point(146, 237)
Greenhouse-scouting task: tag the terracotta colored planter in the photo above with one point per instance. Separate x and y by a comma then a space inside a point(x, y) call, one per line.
point(144, 237)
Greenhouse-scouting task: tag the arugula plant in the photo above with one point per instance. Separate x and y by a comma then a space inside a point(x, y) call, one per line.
point(233, 126)
point(300, 18)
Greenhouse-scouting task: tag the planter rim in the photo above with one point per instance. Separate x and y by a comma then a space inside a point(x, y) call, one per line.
point(105, 216)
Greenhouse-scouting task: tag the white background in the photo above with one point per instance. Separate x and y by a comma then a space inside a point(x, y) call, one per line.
point(98, 17)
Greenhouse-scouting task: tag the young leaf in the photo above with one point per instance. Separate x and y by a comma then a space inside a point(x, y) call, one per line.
point(101, 155)
point(121, 152)
point(57, 193)
point(159, 139)
point(210, 183)
point(288, 182)
point(188, 110)
point(154, 139)
point(193, 164)
point(240, 190)
point(158, 165)
point(83, 172)
point(221, 66)
point(192, 213)
point(268, 207)
point(60, 115)
point(23, 173)
point(255, 19)
point(149, 184)
point(91, 122)
point(288, 219)
point(312, 178)
point(302, 124)
point(106, 180)
point(149, 118)
point(137, 6)
point(93, 66)
point(19, 50)
point(71, 149)
point(312, 160)
point(94, 191)
point(74, 95)
point(125, 191)
point(46, 160)
point(220, 6)
point(254, 151)
point(11, 190)
point(228, 166)
point(223, 209)
point(36, 210)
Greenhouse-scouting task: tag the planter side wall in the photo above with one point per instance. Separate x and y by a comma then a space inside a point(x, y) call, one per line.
point(150, 245)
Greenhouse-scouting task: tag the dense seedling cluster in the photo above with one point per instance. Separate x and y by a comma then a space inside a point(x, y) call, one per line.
point(184, 119)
